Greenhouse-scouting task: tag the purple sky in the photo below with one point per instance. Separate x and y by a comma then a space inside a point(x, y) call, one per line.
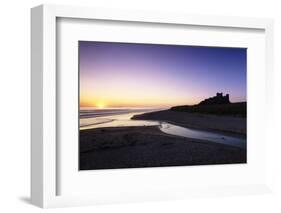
point(127, 74)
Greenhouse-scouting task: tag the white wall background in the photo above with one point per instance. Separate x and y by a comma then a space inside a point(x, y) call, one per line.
point(15, 98)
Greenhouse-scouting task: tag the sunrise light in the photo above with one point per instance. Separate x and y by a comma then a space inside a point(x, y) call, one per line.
point(148, 75)
point(100, 105)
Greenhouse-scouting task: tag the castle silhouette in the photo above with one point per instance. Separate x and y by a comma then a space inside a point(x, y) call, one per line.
point(218, 99)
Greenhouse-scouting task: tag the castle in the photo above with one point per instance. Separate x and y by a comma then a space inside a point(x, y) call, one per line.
point(218, 99)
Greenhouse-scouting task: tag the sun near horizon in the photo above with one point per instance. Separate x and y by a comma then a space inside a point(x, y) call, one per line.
point(100, 105)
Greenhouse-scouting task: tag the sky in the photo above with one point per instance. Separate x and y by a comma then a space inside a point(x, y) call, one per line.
point(153, 75)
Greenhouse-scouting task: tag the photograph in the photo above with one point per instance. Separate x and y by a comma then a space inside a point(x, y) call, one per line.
point(159, 105)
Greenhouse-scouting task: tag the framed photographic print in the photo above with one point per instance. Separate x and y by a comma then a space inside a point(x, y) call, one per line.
point(130, 106)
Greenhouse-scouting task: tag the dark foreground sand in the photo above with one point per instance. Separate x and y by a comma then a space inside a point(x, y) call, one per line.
point(228, 124)
point(147, 146)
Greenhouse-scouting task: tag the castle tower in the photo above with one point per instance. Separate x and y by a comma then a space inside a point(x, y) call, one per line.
point(227, 97)
point(219, 94)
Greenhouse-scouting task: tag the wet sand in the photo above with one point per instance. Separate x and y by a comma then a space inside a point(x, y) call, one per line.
point(227, 124)
point(147, 146)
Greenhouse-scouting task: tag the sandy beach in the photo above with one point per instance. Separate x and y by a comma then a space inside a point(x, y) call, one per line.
point(147, 146)
point(227, 124)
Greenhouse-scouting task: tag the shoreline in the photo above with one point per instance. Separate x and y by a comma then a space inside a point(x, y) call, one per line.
point(199, 121)
point(148, 146)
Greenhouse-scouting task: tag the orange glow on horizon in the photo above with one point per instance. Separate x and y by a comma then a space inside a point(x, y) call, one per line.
point(134, 102)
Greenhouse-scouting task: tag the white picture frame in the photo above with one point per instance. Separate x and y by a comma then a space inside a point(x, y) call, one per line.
point(44, 147)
